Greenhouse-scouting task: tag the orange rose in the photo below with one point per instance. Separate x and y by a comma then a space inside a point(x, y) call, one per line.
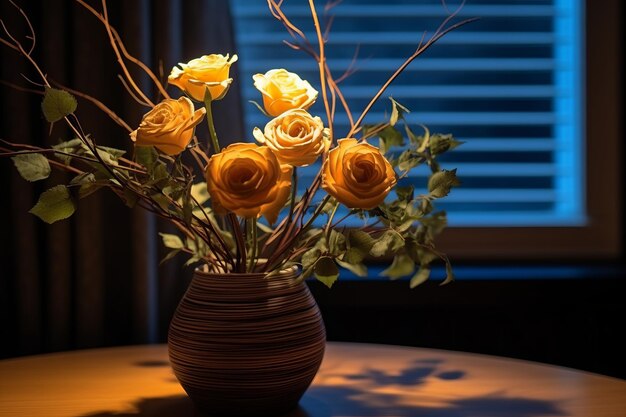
point(296, 137)
point(248, 180)
point(208, 71)
point(357, 174)
point(168, 126)
point(283, 90)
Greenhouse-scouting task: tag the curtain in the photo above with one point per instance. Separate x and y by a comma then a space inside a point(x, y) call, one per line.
point(94, 279)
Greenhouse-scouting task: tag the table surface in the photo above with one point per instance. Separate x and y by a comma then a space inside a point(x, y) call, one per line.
point(355, 380)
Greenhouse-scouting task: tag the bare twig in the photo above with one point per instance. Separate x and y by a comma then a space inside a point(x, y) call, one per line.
point(439, 33)
point(131, 93)
point(125, 52)
point(322, 65)
point(117, 119)
point(116, 50)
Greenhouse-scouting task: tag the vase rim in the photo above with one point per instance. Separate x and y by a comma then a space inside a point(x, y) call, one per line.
point(289, 272)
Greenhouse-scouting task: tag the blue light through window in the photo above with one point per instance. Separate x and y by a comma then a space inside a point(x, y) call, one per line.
point(509, 86)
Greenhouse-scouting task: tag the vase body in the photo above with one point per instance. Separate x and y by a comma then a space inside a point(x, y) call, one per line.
point(244, 344)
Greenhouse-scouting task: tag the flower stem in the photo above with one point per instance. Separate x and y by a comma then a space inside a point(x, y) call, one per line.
point(253, 244)
point(209, 118)
point(330, 221)
point(294, 190)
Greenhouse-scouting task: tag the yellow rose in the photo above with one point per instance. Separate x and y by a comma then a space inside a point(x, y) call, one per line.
point(357, 174)
point(248, 180)
point(209, 71)
point(296, 137)
point(283, 90)
point(168, 126)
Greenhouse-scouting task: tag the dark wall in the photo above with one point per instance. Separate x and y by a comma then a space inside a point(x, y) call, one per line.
point(577, 323)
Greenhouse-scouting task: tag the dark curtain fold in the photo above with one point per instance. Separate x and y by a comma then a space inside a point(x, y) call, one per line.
point(94, 280)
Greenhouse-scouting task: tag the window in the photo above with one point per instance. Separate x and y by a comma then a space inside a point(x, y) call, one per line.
point(511, 86)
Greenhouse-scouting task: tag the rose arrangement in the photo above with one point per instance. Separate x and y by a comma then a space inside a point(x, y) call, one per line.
point(237, 205)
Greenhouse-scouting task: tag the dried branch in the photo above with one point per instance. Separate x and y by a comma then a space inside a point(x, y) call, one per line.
point(116, 50)
point(322, 65)
point(117, 119)
point(125, 52)
point(439, 33)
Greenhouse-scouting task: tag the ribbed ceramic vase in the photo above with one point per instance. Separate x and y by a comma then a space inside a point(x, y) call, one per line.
point(246, 345)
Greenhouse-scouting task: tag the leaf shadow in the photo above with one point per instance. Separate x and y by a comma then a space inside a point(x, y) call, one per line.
point(358, 396)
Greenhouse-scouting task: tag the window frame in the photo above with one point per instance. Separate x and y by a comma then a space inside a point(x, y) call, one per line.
point(601, 237)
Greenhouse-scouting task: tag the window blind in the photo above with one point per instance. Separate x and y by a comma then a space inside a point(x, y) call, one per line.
point(508, 85)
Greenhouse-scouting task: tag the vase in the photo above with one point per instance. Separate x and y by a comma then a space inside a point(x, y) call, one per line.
point(245, 344)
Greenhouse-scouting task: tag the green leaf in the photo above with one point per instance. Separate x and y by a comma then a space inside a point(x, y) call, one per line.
point(401, 266)
point(162, 201)
point(420, 277)
point(108, 155)
point(449, 273)
point(310, 257)
point(32, 167)
point(197, 246)
point(326, 271)
point(425, 207)
point(415, 140)
point(435, 223)
point(390, 137)
point(88, 184)
point(357, 269)
point(409, 159)
point(57, 104)
point(440, 183)
point(169, 256)
point(54, 205)
point(355, 255)
point(113, 152)
point(359, 244)
point(405, 193)
point(174, 190)
point(70, 146)
point(264, 228)
point(200, 192)
point(146, 156)
point(159, 175)
point(397, 112)
point(85, 177)
point(172, 241)
point(336, 242)
point(187, 207)
point(360, 239)
point(390, 242)
point(192, 260)
point(441, 143)
point(129, 197)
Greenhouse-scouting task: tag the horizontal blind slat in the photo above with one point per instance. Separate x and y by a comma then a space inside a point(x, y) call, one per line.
point(446, 91)
point(453, 118)
point(412, 38)
point(509, 69)
point(425, 64)
point(245, 10)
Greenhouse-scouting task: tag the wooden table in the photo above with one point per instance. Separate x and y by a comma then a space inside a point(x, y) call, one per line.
point(355, 380)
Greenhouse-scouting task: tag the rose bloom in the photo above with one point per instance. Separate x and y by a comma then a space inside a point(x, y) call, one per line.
point(208, 71)
point(296, 137)
point(169, 126)
point(283, 90)
point(357, 174)
point(248, 180)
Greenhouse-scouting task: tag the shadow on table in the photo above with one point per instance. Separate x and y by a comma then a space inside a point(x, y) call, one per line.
point(347, 402)
point(355, 396)
point(413, 376)
point(341, 401)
